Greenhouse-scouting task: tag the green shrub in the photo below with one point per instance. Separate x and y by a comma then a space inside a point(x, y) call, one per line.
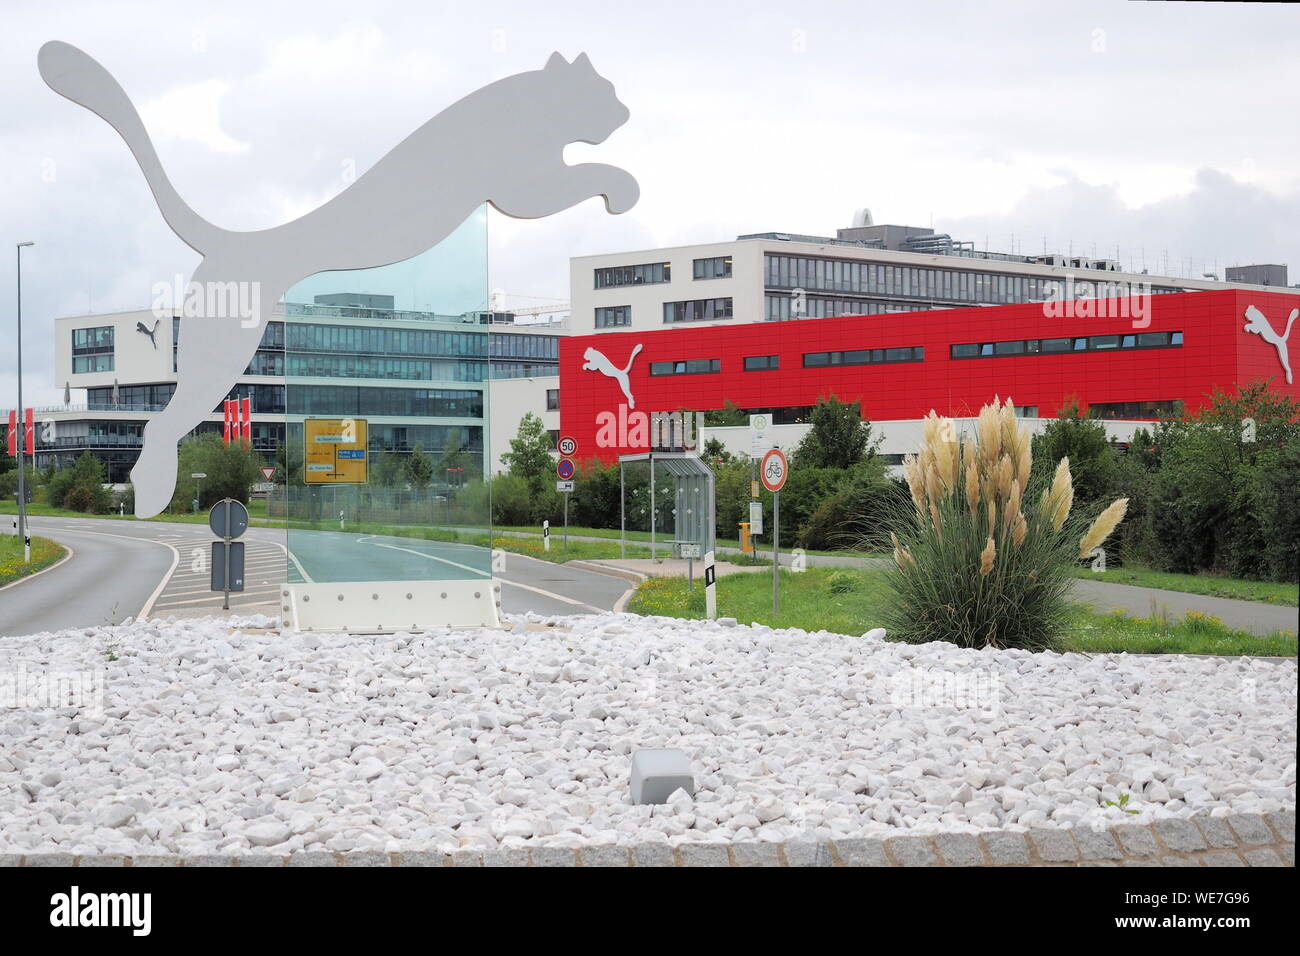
point(975, 563)
point(511, 500)
point(79, 487)
point(844, 582)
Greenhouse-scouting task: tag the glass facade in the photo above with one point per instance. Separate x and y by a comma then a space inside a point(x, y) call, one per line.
point(697, 310)
point(686, 367)
point(612, 316)
point(92, 349)
point(906, 353)
point(718, 267)
point(894, 285)
point(646, 274)
point(1078, 343)
point(143, 397)
point(1117, 410)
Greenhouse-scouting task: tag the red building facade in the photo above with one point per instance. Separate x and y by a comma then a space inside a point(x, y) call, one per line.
point(1124, 359)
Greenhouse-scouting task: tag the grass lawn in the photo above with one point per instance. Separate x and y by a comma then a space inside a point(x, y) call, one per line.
point(662, 538)
point(44, 553)
point(256, 510)
point(1270, 592)
point(808, 602)
point(576, 550)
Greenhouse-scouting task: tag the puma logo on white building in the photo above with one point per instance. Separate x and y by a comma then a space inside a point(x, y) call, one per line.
point(1257, 323)
point(595, 361)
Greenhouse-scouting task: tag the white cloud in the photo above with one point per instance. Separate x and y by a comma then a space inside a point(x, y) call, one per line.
point(192, 114)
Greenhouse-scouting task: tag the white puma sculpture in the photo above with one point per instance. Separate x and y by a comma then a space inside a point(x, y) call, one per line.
point(408, 202)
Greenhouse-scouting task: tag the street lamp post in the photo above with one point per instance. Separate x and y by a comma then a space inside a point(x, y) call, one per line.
point(21, 420)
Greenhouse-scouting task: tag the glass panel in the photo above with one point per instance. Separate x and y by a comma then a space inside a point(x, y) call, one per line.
point(386, 415)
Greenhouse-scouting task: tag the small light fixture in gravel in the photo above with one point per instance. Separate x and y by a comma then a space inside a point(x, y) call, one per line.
point(656, 774)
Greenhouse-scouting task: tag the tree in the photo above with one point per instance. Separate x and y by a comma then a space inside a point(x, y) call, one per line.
point(529, 456)
point(729, 415)
point(231, 471)
point(1093, 460)
point(418, 468)
point(839, 438)
point(714, 451)
point(455, 456)
point(1207, 503)
point(288, 463)
point(387, 470)
point(81, 487)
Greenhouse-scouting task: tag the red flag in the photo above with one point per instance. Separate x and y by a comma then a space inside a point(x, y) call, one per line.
point(228, 421)
point(13, 434)
point(246, 409)
point(30, 441)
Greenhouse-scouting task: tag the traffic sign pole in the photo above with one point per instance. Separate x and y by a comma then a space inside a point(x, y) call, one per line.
point(776, 553)
point(773, 473)
point(225, 600)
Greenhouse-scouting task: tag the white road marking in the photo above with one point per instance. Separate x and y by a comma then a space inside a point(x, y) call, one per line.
point(176, 558)
point(552, 595)
point(434, 557)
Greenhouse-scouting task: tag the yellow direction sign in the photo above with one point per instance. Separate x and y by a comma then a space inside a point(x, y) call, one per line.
point(335, 451)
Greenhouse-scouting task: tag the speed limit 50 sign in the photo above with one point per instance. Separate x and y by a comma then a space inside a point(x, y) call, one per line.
point(567, 446)
point(774, 470)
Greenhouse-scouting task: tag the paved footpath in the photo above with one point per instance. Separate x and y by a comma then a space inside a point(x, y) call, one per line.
point(1255, 617)
point(1236, 840)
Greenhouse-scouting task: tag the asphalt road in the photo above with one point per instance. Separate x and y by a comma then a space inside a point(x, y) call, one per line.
point(120, 569)
point(116, 567)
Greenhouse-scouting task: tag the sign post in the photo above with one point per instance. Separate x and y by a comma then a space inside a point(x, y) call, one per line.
point(198, 477)
point(773, 473)
point(228, 519)
point(336, 451)
point(690, 552)
point(565, 469)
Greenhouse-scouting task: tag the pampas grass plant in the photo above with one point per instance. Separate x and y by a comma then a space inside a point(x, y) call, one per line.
point(977, 561)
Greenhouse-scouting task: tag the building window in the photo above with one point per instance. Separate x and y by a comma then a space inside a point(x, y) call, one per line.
point(718, 267)
point(1122, 410)
point(610, 316)
point(686, 367)
point(697, 310)
point(762, 363)
point(1094, 343)
point(92, 349)
point(864, 357)
point(647, 274)
point(552, 399)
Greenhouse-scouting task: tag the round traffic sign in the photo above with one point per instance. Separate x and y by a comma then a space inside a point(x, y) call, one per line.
point(228, 518)
point(774, 470)
point(567, 446)
point(564, 468)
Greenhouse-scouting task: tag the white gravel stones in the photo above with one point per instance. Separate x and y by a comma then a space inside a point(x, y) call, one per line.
point(210, 741)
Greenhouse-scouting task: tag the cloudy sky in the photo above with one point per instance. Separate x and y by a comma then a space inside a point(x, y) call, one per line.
point(1164, 132)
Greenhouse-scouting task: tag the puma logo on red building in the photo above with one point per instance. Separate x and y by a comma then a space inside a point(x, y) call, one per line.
point(1258, 324)
point(595, 361)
